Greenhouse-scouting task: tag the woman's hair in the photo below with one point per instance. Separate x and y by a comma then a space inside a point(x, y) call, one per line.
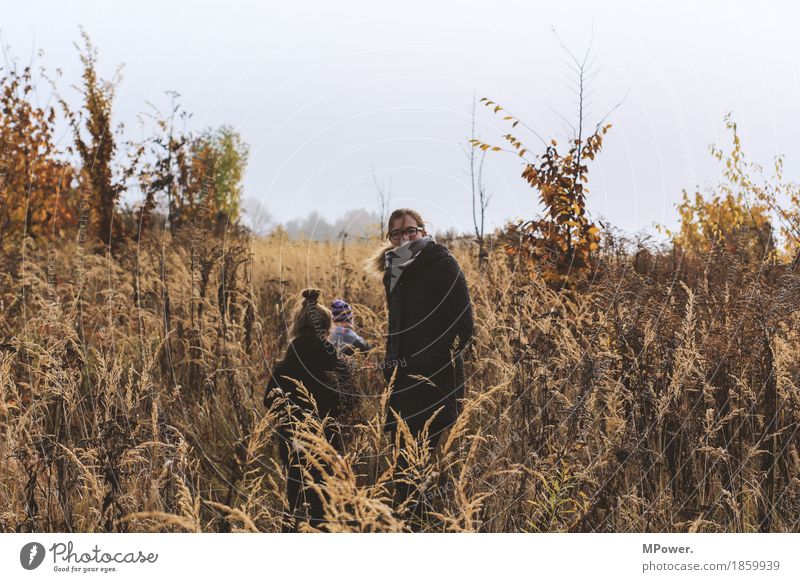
point(311, 317)
point(400, 213)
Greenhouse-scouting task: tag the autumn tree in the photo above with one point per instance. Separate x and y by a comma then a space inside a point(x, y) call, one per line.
point(195, 178)
point(725, 222)
point(562, 244)
point(165, 173)
point(94, 140)
point(37, 193)
point(736, 216)
point(765, 197)
point(218, 162)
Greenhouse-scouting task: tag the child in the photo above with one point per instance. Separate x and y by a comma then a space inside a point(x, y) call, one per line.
point(314, 361)
point(344, 336)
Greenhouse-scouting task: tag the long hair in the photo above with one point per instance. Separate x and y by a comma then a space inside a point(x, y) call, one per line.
point(311, 317)
point(375, 263)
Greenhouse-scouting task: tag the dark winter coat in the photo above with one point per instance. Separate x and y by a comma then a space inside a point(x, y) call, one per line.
point(430, 324)
point(323, 370)
point(327, 374)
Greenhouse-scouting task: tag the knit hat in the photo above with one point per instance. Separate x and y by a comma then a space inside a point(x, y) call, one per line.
point(342, 312)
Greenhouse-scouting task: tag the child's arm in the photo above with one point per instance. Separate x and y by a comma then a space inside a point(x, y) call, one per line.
point(361, 344)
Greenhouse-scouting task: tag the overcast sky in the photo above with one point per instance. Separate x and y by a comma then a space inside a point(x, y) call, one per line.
point(325, 91)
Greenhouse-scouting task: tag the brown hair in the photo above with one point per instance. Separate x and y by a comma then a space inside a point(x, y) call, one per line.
point(311, 317)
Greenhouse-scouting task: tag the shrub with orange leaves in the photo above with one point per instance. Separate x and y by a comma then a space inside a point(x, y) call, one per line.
point(724, 222)
point(37, 190)
point(562, 243)
point(736, 216)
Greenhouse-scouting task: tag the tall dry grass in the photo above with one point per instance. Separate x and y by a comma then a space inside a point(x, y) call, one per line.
point(663, 396)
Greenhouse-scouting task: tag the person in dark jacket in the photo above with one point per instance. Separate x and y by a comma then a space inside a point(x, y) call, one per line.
point(312, 359)
point(430, 325)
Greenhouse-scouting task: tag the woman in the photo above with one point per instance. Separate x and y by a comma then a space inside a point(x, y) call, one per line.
point(430, 324)
point(314, 361)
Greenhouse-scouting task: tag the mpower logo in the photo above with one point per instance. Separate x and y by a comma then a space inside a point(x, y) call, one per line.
point(31, 555)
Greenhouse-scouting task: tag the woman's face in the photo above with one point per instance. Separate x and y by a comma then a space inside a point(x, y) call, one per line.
point(398, 233)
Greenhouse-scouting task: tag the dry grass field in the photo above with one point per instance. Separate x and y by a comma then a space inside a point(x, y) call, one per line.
point(661, 395)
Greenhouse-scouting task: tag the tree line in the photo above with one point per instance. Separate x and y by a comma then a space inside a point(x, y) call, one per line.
point(53, 191)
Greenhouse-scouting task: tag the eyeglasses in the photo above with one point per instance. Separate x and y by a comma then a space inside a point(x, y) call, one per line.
point(410, 232)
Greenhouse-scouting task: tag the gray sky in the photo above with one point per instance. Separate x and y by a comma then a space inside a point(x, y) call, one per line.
point(324, 91)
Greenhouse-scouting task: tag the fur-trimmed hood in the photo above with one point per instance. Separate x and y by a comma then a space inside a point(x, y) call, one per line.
point(376, 263)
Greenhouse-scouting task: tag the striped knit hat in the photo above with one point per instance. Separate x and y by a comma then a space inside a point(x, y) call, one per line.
point(342, 312)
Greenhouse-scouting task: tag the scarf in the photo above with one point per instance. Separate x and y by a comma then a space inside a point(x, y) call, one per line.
point(399, 258)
